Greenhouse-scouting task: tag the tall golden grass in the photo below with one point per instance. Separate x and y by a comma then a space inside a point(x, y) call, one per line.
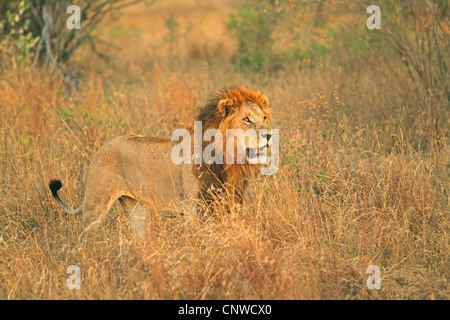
point(351, 192)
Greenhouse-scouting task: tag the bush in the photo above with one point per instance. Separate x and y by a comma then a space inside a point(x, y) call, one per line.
point(36, 30)
point(253, 28)
point(416, 35)
point(267, 33)
point(16, 38)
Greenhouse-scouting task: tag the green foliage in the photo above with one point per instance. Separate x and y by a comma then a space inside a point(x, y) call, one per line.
point(68, 113)
point(176, 35)
point(37, 31)
point(16, 37)
point(262, 28)
point(173, 29)
point(253, 28)
point(292, 152)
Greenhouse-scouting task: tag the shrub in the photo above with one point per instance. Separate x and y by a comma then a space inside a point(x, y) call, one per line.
point(37, 29)
point(253, 28)
point(16, 37)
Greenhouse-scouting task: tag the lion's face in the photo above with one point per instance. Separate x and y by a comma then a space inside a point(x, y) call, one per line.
point(250, 118)
point(250, 122)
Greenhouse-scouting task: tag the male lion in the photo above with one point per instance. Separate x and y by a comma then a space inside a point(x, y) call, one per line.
point(138, 171)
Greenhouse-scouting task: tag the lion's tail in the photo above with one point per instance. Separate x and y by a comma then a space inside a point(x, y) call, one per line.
point(55, 185)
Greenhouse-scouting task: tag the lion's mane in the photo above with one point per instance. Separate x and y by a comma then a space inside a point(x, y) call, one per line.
point(217, 176)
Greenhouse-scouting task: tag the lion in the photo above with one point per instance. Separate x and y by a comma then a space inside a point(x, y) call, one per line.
point(138, 171)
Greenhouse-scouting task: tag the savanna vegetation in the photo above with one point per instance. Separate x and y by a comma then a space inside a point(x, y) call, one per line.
point(364, 147)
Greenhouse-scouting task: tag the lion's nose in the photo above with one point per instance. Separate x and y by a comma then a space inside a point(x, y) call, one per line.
point(267, 136)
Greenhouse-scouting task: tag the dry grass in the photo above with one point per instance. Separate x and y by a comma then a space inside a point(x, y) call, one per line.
point(351, 192)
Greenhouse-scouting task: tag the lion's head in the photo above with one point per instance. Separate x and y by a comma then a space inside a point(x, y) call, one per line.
point(247, 114)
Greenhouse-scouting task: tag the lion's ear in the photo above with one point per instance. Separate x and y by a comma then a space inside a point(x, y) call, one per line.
point(225, 107)
point(264, 101)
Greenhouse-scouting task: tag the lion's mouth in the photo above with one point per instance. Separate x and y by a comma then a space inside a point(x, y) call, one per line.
point(256, 152)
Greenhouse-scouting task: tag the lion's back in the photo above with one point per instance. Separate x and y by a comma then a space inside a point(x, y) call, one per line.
point(142, 163)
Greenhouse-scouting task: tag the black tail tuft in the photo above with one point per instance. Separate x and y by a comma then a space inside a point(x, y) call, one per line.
point(55, 185)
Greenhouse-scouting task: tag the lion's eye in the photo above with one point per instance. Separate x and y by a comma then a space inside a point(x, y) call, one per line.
point(265, 118)
point(247, 120)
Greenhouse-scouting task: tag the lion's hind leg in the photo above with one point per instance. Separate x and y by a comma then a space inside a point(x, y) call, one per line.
point(94, 212)
point(137, 214)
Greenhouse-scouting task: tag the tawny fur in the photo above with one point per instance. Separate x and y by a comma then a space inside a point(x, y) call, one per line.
point(138, 170)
